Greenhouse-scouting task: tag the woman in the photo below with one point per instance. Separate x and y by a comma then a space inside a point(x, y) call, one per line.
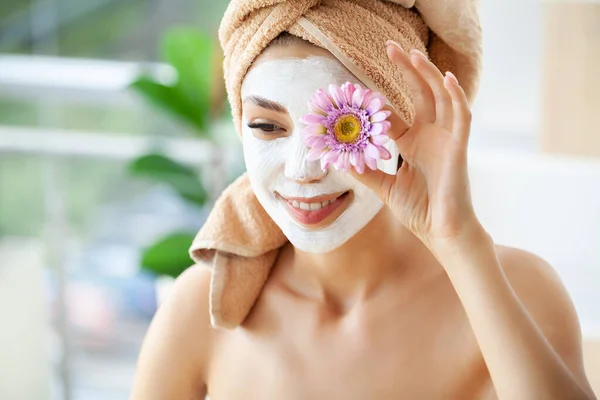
point(386, 286)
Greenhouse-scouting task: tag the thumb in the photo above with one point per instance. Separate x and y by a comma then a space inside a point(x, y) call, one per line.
point(376, 180)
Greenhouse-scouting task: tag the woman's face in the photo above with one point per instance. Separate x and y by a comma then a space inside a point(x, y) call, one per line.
point(317, 211)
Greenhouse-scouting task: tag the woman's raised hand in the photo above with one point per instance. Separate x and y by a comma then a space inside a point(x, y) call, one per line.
point(430, 192)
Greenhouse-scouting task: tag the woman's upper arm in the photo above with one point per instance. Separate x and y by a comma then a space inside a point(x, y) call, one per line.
point(173, 359)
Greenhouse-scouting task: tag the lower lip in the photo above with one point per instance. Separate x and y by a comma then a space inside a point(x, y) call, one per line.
point(314, 217)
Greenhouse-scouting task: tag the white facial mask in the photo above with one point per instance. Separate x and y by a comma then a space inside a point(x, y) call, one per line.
point(280, 165)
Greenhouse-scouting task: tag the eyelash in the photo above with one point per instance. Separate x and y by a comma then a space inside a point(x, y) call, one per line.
point(269, 128)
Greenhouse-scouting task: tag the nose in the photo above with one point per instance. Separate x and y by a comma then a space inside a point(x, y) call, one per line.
point(298, 168)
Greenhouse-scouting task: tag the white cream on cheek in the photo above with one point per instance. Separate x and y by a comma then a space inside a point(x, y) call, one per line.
point(279, 165)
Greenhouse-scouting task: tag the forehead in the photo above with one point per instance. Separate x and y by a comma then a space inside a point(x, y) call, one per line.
point(290, 80)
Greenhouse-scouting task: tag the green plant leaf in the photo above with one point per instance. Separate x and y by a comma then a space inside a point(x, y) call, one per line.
point(171, 100)
point(169, 256)
point(191, 54)
point(180, 177)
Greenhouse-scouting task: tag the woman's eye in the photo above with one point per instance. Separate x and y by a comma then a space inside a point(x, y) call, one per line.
point(270, 128)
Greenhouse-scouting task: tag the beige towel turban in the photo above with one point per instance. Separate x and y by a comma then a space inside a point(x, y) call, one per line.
point(239, 240)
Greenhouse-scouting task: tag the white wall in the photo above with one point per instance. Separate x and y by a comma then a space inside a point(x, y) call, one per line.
point(550, 206)
point(507, 108)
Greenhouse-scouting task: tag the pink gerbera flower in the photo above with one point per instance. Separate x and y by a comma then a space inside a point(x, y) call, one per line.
point(347, 127)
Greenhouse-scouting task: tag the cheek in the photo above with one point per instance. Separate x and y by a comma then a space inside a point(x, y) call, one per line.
point(264, 159)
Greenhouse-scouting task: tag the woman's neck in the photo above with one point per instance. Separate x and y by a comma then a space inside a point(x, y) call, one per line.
point(382, 251)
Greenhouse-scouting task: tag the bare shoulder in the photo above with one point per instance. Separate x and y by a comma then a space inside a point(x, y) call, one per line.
point(542, 293)
point(536, 283)
point(189, 296)
point(175, 352)
point(539, 288)
point(530, 274)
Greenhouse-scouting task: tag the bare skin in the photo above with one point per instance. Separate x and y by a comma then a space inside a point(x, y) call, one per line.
point(420, 304)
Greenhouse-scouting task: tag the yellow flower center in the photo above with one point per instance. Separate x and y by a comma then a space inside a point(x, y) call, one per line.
point(347, 129)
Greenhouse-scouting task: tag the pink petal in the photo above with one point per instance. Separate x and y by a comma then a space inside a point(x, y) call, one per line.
point(319, 142)
point(342, 162)
point(316, 129)
point(354, 158)
point(314, 154)
point(357, 160)
point(337, 164)
point(321, 102)
point(312, 119)
point(376, 129)
point(346, 161)
point(380, 116)
point(371, 150)
point(360, 164)
point(371, 163)
point(338, 95)
point(386, 125)
point(358, 97)
point(368, 96)
point(374, 106)
point(324, 164)
point(331, 156)
point(379, 139)
point(315, 108)
point(384, 153)
point(309, 138)
point(348, 88)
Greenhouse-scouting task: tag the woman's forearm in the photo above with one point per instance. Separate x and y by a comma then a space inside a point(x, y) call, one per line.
point(521, 362)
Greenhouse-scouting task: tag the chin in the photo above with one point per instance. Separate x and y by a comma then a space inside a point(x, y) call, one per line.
point(332, 236)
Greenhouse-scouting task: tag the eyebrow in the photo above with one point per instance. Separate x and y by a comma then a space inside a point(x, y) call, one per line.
point(265, 103)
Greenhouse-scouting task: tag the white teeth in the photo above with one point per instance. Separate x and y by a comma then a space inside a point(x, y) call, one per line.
point(310, 206)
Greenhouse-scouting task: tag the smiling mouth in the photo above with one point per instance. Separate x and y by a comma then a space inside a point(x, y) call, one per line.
point(316, 210)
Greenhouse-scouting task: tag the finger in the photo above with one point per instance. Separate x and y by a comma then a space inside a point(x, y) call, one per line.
point(376, 180)
point(398, 125)
point(435, 79)
point(462, 112)
point(420, 91)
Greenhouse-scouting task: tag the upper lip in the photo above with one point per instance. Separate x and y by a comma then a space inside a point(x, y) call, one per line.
point(316, 199)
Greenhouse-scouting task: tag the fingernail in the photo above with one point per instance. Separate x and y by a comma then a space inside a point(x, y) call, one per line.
point(394, 44)
point(451, 75)
point(417, 52)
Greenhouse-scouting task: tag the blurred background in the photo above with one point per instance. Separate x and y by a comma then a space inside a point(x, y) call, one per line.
point(116, 138)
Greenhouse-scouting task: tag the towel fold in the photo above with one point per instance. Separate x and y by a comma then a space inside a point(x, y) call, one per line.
point(239, 240)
